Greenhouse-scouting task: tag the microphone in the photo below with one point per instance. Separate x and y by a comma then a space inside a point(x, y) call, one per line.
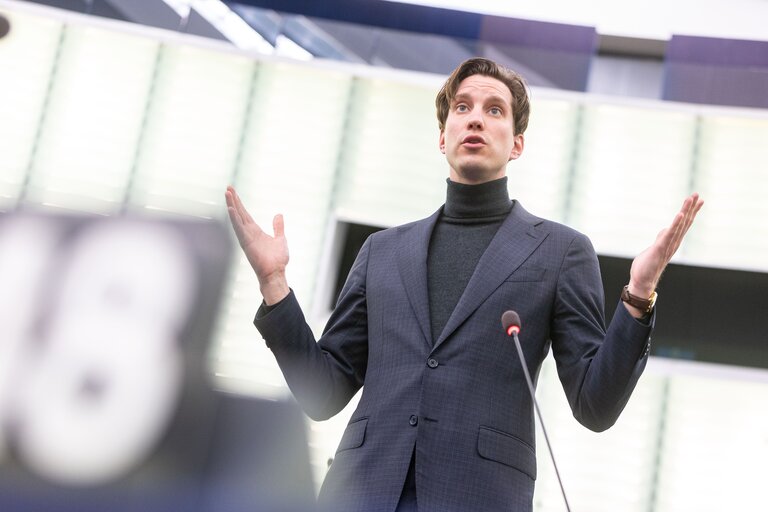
point(5, 26)
point(510, 320)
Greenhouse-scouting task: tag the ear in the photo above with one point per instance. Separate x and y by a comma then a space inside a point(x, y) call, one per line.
point(441, 141)
point(517, 149)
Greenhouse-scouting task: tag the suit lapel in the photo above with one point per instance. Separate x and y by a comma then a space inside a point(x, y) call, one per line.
point(412, 263)
point(515, 240)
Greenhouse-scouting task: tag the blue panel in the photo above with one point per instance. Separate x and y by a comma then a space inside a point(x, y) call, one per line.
point(413, 18)
point(445, 22)
point(436, 40)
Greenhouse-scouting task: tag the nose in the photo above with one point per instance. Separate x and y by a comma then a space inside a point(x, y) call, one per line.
point(475, 120)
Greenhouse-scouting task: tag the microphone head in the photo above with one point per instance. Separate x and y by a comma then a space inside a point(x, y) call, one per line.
point(510, 320)
point(5, 26)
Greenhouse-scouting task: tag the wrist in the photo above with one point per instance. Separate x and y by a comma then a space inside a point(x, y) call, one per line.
point(638, 305)
point(642, 290)
point(274, 288)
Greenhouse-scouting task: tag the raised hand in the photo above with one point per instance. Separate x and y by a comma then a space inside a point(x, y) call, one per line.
point(268, 255)
point(648, 266)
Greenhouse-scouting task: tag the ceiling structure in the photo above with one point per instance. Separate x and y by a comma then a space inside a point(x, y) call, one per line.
point(594, 46)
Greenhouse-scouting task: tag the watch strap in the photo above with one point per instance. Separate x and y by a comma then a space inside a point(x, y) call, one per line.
point(644, 305)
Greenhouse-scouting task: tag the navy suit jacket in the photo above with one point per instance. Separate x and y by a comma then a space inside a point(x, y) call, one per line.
point(462, 402)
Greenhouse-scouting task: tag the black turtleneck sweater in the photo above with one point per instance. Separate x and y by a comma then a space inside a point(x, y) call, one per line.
point(470, 218)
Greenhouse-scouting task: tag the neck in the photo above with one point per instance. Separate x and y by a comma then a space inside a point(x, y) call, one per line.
point(486, 199)
point(470, 178)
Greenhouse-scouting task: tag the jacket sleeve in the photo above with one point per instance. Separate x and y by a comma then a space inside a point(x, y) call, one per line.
point(597, 368)
point(322, 375)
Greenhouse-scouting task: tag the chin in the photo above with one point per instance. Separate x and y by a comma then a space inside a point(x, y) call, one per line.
point(478, 174)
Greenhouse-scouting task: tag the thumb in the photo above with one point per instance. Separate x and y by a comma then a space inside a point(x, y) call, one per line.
point(278, 225)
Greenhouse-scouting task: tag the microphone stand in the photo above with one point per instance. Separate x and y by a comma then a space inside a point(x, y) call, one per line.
point(538, 412)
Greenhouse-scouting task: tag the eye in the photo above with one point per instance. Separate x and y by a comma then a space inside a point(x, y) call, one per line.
point(496, 111)
point(461, 107)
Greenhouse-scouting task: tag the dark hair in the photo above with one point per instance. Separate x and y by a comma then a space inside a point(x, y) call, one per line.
point(521, 105)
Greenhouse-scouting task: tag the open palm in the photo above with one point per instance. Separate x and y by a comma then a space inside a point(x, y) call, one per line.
point(648, 266)
point(268, 255)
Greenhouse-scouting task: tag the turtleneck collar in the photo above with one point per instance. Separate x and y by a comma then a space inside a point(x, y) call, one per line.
point(488, 199)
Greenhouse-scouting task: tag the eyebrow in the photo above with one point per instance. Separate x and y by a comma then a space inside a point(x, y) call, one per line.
point(494, 98)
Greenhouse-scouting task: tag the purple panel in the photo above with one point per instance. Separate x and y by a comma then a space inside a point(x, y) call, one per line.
point(715, 85)
point(544, 67)
point(538, 34)
point(718, 52)
point(717, 71)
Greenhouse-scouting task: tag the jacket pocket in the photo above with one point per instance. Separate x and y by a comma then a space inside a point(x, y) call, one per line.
point(354, 435)
point(507, 449)
point(527, 274)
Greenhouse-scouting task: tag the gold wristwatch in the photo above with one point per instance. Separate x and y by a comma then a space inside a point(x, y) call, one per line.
point(644, 305)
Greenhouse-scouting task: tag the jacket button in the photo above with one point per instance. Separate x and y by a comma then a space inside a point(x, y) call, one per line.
point(432, 363)
point(413, 420)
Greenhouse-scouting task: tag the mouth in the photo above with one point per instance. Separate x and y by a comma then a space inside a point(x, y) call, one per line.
point(473, 141)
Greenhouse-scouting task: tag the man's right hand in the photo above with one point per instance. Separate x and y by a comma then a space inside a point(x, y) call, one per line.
point(268, 255)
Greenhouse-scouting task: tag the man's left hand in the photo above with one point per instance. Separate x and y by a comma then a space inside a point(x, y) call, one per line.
point(648, 266)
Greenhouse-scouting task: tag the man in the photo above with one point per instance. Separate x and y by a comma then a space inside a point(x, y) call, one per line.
point(445, 420)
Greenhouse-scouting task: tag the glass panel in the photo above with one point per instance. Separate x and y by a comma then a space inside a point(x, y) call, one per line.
point(194, 126)
point(540, 178)
point(93, 121)
point(633, 170)
point(714, 447)
point(391, 170)
point(27, 57)
point(606, 471)
point(731, 175)
point(288, 165)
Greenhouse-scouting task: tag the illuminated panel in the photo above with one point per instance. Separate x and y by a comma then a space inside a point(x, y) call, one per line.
point(27, 55)
point(632, 173)
point(93, 120)
point(714, 446)
point(606, 471)
point(287, 165)
point(732, 176)
point(391, 169)
point(193, 130)
point(539, 179)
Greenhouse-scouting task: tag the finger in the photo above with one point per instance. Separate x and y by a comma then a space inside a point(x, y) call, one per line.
point(237, 223)
point(696, 207)
point(234, 213)
point(695, 204)
point(229, 197)
point(688, 208)
point(691, 207)
point(668, 235)
point(278, 225)
point(669, 239)
point(691, 212)
point(676, 237)
point(241, 209)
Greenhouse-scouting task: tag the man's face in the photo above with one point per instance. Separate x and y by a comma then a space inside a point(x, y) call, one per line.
point(479, 137)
